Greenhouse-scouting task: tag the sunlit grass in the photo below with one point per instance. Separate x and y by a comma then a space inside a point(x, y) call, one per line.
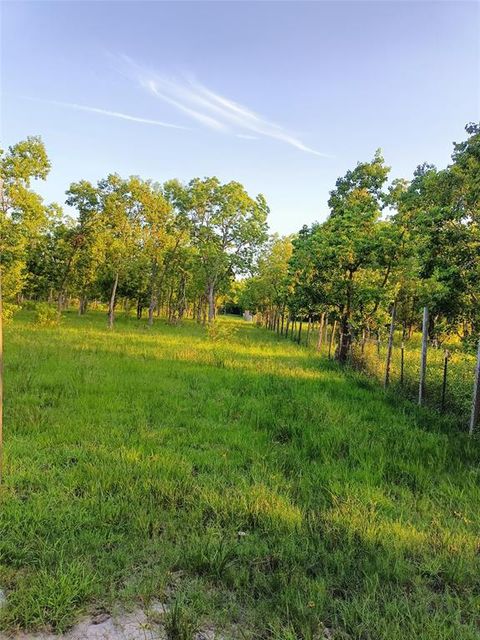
point(243, 478)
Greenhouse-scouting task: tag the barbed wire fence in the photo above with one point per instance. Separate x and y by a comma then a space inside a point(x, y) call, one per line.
point(446, 380)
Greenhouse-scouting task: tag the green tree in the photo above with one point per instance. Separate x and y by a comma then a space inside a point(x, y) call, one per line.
point(227, 228)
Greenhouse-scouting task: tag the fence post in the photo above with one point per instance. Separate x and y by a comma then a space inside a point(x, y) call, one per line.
point(446, 355)
point(423, 358)
point(299, 337)
point(389, 348)
point(476, 395)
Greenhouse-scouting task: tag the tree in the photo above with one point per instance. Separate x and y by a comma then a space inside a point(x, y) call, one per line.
point(227, 228)
point(267, 291)
point(22, 214)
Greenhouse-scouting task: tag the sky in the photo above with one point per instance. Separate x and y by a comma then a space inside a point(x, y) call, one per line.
point(284, 97)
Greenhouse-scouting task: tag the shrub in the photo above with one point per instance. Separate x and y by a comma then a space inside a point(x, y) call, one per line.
point(217, 332)
point(46, 315)
point(8, 311)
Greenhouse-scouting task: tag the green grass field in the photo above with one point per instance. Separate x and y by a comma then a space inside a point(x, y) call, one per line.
point(244, 480)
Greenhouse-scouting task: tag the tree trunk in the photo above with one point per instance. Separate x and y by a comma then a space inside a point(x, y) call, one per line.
point(211, 301)
point(199, 310)
point(332, 337)
point(364, 339)
point(320, 332)
point(139, 309)
point(345, 339)
point(111, 306)
point(151, 308)
point(82, 305)
point(309, 328)
point(325, 335)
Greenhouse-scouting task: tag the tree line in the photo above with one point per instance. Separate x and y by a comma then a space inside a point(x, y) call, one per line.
point(175, 248)
point(399, 244)
point(172, 247)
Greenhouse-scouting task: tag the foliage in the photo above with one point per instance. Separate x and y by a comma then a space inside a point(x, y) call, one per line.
point(46, 315)
point(414, 243)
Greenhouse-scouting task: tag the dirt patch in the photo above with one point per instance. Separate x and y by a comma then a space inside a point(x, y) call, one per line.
point(133, 625)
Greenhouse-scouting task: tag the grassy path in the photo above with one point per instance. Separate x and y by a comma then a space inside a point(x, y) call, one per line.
point(246, 481)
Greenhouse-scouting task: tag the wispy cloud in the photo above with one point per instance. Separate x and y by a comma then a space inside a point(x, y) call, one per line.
point(113, 114)
point(246, 136)
point(212, 109)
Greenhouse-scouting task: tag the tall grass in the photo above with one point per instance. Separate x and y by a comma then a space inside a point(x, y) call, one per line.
point(371, 360)
point(248, 482)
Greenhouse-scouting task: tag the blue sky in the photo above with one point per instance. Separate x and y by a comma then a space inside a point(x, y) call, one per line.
point(282, 96)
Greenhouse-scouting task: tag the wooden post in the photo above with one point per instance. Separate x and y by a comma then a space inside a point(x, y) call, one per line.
point(299, 338)
point(320, 332)
point(402, 362)
point(446, 355)
point(283, 320)
point(423, 358)
point(332, 335)
point(309, 327)
point(389, 348)
point(476, 395)
point(288, 325)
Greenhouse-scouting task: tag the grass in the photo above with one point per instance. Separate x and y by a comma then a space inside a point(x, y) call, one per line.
point(235, 475)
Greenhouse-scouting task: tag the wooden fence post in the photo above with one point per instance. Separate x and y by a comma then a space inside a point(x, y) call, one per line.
point(446, 355)
point(389, 348)
point(423, 358)
point(309, 328)
point(476, 395)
